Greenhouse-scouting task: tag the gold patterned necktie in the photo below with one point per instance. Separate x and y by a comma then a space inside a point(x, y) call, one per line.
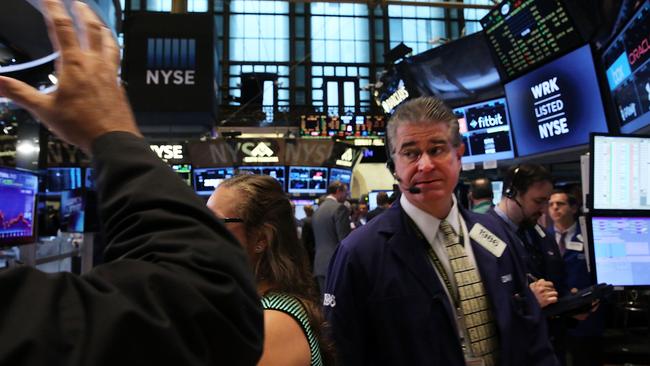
point(472, 299)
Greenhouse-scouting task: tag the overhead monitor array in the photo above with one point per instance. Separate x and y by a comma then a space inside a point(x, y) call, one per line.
point(524, 34)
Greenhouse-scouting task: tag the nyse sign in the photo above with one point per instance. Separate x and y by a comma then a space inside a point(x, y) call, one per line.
point(549, 109)
point(168, 152)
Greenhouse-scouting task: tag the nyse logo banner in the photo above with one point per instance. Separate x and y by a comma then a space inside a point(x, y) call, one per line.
point(172, 152)
point(261, 153)
point(171, 61)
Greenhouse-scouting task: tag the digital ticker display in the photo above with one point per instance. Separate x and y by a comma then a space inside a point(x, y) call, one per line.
point(526, 33)
point(485, 129)
point(345, 127)
point(628, 71)
point(557, 105)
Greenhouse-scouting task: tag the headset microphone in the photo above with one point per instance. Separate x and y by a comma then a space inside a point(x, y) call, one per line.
point(414, 190)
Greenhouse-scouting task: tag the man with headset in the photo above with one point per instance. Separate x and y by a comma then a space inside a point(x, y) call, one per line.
point(427, 282)
point(527, 188)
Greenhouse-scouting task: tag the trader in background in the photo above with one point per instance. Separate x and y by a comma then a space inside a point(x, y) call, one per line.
point(585, 339)
point(480, 195)
point(383, 203)
point(331, 223)
point(176, 288)
point(426, 282)
point(527, 188)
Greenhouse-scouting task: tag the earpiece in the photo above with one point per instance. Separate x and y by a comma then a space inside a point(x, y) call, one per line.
point(511, 191)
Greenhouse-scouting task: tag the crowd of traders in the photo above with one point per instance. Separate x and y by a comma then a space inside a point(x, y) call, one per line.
point(425, 282)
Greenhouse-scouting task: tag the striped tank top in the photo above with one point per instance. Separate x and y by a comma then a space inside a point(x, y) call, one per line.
point(293, 307)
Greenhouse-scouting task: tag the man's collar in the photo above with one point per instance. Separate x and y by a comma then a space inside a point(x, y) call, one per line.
point(427, 223)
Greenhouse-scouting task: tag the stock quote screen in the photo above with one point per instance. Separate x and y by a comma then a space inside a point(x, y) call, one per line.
point(345, 127)
point(627, 61)
point(526, 33)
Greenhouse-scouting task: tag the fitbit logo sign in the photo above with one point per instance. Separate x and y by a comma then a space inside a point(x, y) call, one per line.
point(171, 61)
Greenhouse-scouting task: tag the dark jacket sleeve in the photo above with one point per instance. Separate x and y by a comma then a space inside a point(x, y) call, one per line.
point(176, 288)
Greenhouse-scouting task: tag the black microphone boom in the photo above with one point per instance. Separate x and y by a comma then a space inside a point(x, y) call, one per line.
point(414, 190)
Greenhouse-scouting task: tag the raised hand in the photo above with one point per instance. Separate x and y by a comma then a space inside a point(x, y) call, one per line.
point(88, 101)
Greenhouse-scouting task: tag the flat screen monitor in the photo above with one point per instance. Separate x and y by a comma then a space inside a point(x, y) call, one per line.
point(307, 179)
point(342, 175)
point(628, 71)
point(72, 211)
point(525, 34)
point(206, 180)
point(497, 189)
point(17, 206)
point(621, 250)
point(620, 171)
point(277, 172)
point(557, 105)
point(62, 179)
point(184, 171)
point(452, 73)
point(300, 207)
point(485, 128)
point(372, 198)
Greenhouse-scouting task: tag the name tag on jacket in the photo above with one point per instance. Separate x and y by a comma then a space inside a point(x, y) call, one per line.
point(575, 245)
point(487, 239)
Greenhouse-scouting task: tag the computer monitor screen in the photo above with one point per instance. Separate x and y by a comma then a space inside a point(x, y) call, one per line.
point(525, 34)
point(497, 188)
point(621, 249)
point(300, 207)
point(184, 171)
point(485, 128)
point(17, 206)
point(342, 175)
point(372, 198)
point(628, 71)
point(620, 172)
point(206, 180)
point(451, 72)
point(72, 211)
point(557, 105)
point(276, 172)
point(309, 180)
point(62, 179)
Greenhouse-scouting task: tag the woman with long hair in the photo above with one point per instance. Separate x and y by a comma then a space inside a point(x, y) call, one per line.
point(257, 212)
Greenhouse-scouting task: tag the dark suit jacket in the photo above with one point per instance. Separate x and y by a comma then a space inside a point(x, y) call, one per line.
point(387, 306)
point(578, 276)
point(176, 288)
point(331, 223)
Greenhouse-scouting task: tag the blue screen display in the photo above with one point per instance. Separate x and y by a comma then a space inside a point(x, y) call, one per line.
point(627, 61)
point(307, 179)
point(622, 250)
point(485, 128)
point(342, 175)
point(63, 179)
point(17, 196)
point(557, 105)
point(276, 172)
